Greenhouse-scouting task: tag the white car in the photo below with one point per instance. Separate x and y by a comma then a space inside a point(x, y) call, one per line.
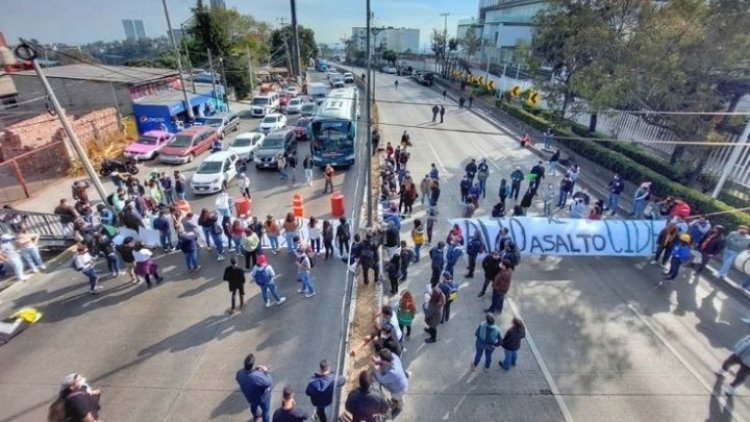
point(294, 106)
point(391, 70)
point(271, 122)
point(245, 144)
point(348, 77)
point(292, 90)
point(214, 173)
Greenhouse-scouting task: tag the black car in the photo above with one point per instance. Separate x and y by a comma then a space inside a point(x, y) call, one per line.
point(426, 79)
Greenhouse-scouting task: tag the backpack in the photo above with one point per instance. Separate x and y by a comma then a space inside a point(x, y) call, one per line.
point(344, 231)
point(261, 277)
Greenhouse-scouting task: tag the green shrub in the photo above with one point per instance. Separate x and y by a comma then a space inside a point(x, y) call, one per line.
point(634, 171)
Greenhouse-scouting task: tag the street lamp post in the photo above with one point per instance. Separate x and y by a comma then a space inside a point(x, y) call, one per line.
point(188, 107)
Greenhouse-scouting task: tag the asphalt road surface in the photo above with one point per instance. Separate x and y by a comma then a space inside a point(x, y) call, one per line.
point(612, 346)
point(170, 353)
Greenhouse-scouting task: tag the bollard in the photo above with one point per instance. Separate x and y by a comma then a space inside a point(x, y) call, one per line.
point(337, 205)
point(298, 209)
point(242, 207)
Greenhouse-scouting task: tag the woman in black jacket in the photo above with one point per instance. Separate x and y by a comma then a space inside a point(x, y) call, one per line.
point(512, 342)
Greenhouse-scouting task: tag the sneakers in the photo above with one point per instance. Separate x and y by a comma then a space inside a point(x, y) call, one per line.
point(309, 295)
point(653, 262)
point(721, 372)
point(430, 340)
point(268, 304)
point(23, 278)
point(280, 301)
point(220, 258)
point(43, 267)
point(729, 390)
point(300, 290)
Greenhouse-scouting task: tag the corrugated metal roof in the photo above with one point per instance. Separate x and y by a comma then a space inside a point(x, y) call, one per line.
point(104, 73)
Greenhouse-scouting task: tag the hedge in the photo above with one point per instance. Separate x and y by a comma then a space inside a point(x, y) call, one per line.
point(633, 171)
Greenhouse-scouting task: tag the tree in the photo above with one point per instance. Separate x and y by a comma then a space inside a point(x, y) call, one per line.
point(281, 43)
point(390, 56)
point(442, 49)
point(471, 43)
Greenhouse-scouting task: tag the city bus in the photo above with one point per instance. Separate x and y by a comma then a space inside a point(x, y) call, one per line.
point(333, 129)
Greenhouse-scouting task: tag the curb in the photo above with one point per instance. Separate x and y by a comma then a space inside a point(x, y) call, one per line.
point(52, 265)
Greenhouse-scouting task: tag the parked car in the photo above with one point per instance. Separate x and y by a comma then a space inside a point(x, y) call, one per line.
point(282, 141)
point(188, 144)
point(389, 69)
point(405, 71)
point(214, 173)
point(223, 123)
point(264, 104)
point(294, 106)
point(245, 144)
point(271, 122)
point(348, 77)
point(292, 90)
point(148, 145)
point(300, 128)
point(308, 109)
point(426, 78)
point(284, 101)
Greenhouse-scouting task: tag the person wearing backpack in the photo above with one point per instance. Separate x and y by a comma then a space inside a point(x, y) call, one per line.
point(76, 402)
point(264, 275)
point(512, 342)
point(473, 249)
point(437, 258)
point(368, 259)
point(235, 276)
point(681, 254)
point(343, 235)
point(487, 338)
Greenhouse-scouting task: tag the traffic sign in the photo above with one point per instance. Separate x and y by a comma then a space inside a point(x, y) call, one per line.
point(515, 91)
point(534, 98)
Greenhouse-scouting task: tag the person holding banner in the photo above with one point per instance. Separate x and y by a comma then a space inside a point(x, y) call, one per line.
point(491, 266)
point(500, 287)
point(664, 243)
point(473, 249)
point(680, 255)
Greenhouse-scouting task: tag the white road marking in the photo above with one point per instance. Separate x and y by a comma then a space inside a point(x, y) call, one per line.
point(543, 366)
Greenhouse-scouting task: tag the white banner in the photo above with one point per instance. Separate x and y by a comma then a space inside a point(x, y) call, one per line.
point(566, 236)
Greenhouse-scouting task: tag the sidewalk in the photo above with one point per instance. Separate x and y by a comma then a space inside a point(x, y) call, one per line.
point(595, 181)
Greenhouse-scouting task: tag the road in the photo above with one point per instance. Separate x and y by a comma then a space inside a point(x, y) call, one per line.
point(170, 353)
point(612, 346)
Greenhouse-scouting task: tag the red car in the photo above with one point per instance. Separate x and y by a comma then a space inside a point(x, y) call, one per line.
point(300, 128)
point(284, 100)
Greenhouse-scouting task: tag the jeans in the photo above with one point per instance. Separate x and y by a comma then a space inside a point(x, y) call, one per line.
point(237, 240)
point(274, 240)
point(727, 262)
point(169, 197)
point(191, 259)
point(224, 212)
point(483, 187)
point(113, 263)
point(664, 252)
point(290, 241)
point(328, 246)
point(309, 176)
point(746, 283)
point(320, 412)
point(17, 265)
point(265, 407)
point(315, 244)
point(329, 184)
point(446, 312)
point(91, 274)
point(284, 176)
point(563, 198)
point(674, 268)
point(472, 264)
point(638, 207)
point(487, 282)
point(547, 142)
point(270, 287)
point(307, 284)
point(612, 201)
point(482, 349)
point(510, 359)
point(207, 235)
point(166, 240)
point(417, 249)
point(515, 188)
point(181, 196)
point(31, 256)
point(497, 303)
point(218, 242)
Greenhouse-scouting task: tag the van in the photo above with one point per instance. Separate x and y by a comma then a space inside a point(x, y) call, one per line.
point(264, 104)
point(282, 141)
point(188, 144)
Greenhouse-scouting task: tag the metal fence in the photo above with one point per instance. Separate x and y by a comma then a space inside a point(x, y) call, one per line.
point(49, 227)
point(24, 175)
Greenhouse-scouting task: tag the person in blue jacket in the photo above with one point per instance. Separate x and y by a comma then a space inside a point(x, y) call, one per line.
point(452, 256)
point(256, 385)
point(437, 259)
point(320, 389)
point(681, 253)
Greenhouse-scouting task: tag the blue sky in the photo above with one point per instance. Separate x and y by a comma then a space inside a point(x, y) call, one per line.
point(80, 21)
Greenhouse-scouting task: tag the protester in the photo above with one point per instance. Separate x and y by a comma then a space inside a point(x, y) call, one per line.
point(616, 186)
point(163, 224)
point(327, 234)
point(328, 174)
point(188, 244)
point(453, 254)
point(321, 387)
point(235, 276)
point(76, 401)
point(303, 268)
point(500, 287)
point(243, 183)
point(713, 244)
point(640, 197)
point(740, 356)
point(437, 259)
point(680, 254)
point(290, 227)
point(393, 271)
point(736, 242)
point(364, 404)
point(450, 291)
point(367, 254)
point(27, 244)
point(473, 249)
point(406, 258)
point(256, 385)
point(512, 342)
point(389, 373)
point(83, 262)
point(487, 338)
point(433, 312)
point(209, 222)
point(432, 214)
point(491, 266)
point(144, 265)
point(343, 235)
point(664, 243)
point(406, 312)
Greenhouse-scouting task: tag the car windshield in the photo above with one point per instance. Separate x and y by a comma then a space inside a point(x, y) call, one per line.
point(148, 140)
point(182, 141)
point(270, 119)
point(308, 107)
point(272, 143)
point(243, 142)
point(215, 122)
point(294, 101)
point(260, 101)
point(209, 167)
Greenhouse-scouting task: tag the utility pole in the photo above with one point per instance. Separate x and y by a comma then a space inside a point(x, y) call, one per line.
point(288, 55)
point(26, 52)
point(445, 40)
point(250, 69)
point(211, 71)
point(224, 82)
point(188, 108)
point(368, 96)
point(187, 54)
point(733, 158)
point(295, 41)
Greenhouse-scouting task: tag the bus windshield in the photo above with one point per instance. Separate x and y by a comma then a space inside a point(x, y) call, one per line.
point(332, 137)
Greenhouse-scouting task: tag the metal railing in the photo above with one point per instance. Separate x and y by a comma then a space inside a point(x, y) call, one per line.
point(49, 227)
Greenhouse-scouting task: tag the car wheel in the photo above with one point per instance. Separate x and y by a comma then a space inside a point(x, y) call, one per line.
point(190, 158)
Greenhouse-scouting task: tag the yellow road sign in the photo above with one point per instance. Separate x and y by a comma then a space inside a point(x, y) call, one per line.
point(515, 91)
point(534, 98)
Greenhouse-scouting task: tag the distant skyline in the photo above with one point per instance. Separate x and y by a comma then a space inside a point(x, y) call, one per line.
point(84, 21)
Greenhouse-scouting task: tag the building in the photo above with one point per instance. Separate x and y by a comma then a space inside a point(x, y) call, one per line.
point(463, 27)
point(134, 29)
point(400, 40)
point(503, 24)
point(218, 4)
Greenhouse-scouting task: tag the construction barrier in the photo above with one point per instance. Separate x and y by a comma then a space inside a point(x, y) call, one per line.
point(298, 209)
point(183, 206)
point(242, 207)
point(337, 205)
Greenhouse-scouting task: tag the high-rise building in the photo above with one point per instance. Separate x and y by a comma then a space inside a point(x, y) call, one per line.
point(134, 29)
point(218, 4)
point(503, 24)
point(400, 40)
